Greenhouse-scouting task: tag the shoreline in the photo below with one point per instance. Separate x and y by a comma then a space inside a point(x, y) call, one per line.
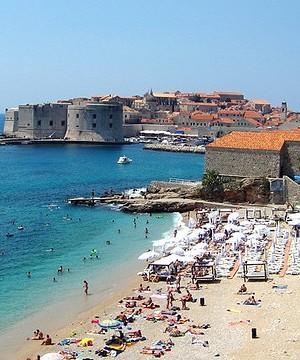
point(63, 318)
point(230, 321)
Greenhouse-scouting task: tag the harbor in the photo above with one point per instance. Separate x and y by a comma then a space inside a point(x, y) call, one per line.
point(176, 148)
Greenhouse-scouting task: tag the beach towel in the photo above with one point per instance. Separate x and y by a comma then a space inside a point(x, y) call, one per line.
point(252, 305)
point(234, 310)
point(281, 287)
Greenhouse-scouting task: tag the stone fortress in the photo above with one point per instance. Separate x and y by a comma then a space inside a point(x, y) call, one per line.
point(71, 121)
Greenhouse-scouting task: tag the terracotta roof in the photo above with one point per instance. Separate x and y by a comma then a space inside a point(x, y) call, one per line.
point(193, 103)
point(200, 116)
point(231, 112)
point(260, 102)
point(252, 114)
point(253, 122)
point(224, 121)
point(228, 93)
point(264, 140)
point(164, 95)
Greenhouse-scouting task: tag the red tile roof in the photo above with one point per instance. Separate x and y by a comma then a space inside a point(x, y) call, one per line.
point(264, 140)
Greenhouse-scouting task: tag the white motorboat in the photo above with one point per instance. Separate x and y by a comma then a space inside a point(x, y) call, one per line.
point(124, 160)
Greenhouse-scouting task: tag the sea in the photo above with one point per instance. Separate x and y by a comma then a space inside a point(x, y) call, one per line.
point(36, 181)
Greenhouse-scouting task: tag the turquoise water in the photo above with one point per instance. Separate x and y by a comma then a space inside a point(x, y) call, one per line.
point(35, 182)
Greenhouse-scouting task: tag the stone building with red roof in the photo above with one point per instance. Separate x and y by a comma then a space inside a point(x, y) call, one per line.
point(255, 154)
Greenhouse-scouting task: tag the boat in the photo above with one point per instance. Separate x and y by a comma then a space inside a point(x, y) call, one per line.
point(124, 160)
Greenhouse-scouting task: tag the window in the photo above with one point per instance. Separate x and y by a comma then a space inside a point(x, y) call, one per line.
point(39, 123)
point(63, 123)
point(51, 123)
point(110, 125)
point(77, 116)
point(94, 116)
point(94, 125)
point(110, 116)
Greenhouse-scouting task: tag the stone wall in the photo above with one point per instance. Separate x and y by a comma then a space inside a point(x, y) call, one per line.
point(42, 121)
point(95, 122)
point(11, 122)
point(291, 158)
point(247, 163)
point(291, 191)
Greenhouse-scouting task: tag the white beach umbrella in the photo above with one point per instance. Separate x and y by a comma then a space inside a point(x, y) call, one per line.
point(208, 226)
point(232, 227)
point(178, 251)
point(295, 222)
point(148, 255)
point(233, 217)
point(219, 236)
point(202, 231)
point(246, 223)
point(238, 236)
point(52, 356)
point(196, 252)
point(191, 223)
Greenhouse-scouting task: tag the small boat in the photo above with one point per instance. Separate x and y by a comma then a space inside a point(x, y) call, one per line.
point(9, 235)
point(124, 160)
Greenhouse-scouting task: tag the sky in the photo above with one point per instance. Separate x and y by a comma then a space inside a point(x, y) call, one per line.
point(60, 49)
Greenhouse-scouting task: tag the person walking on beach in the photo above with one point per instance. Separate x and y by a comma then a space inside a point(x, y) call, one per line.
point(86, 287)
point(170, 299)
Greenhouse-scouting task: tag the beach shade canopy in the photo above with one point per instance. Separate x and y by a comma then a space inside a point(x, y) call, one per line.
point(191, 223)
point(208, 226)
point(177, 251)
point(52, 356)
point(201, 231)
point(295, 222)
point(233, 217)
point(219, 236)
point(110, 324)
point(148, 255)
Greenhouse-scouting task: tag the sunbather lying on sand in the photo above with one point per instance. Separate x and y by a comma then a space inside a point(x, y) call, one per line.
point(137, 298)
point(146, 288)
point(175, 332)
point(251, 301)
point(195, 330)
point(130, 304)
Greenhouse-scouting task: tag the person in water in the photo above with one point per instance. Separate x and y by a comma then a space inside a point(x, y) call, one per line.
point(86, 287)
point(54, 280)
point(29, 274)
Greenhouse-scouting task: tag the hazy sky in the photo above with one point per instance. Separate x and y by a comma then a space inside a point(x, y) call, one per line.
point(52, 49)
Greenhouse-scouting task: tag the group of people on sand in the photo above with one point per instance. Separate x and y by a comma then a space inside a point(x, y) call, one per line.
point(38, 335)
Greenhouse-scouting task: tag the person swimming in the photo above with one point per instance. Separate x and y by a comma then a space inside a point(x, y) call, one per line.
point(29, 274)
point(108, 242)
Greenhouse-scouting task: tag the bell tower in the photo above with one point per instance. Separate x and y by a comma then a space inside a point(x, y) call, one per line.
point(283, 112)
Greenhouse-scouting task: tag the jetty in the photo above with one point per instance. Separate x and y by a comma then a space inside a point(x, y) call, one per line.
point(175, 148)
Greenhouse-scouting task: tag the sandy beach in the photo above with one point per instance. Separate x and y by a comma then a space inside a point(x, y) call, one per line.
point(276, 321)
point(228, 336)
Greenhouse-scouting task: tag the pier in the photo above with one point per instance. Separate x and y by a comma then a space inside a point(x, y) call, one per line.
point(175, 148)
